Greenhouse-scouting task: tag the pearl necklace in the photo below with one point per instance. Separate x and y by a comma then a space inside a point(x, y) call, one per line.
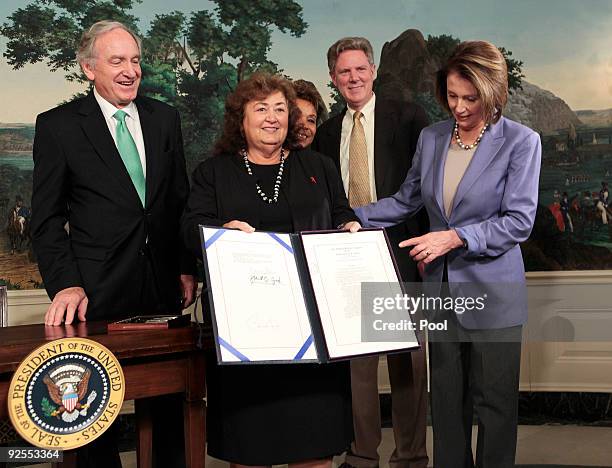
point(279, 177)
point(463, 145)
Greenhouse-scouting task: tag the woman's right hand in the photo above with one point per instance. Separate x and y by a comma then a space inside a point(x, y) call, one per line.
point(241, 225)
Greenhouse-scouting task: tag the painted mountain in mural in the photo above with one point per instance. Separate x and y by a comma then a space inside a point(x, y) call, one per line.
point(540, 109)
point(408, 65)
point(596, 118)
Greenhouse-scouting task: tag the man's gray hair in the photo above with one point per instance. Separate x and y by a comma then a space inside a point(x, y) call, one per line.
point(85, 52)
point(349, 43)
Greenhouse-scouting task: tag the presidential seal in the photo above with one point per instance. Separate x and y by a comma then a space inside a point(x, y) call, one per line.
point(66, 393)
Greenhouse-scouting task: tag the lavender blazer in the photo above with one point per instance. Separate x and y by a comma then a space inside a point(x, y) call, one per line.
point(493, 209)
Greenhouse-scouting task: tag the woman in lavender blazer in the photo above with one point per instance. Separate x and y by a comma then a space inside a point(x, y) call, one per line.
point(477, 176)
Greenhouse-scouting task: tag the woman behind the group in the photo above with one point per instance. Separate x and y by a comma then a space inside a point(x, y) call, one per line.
point(477, 176)
point(312, 111)
point(270, 414)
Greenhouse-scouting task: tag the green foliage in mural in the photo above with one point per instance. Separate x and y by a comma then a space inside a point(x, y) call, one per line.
point(49, 30)
point(189, 60)
point(338, 102)
point(428, 102)
point(441, 46)
point(515, 70)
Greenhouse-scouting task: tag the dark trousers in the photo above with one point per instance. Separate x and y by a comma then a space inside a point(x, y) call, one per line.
point(408, 378)
point(474, 370)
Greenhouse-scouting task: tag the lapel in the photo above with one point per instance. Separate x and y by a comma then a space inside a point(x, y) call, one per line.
point(334, 136)
point(443, 139)
point(491, 142)
point(151, 134)
point(97, 132)
point(384, 118)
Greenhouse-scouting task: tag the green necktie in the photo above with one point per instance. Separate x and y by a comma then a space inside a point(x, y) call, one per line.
point(129, 154)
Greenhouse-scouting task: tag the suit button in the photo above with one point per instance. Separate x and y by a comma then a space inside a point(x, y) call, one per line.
point(142, 252)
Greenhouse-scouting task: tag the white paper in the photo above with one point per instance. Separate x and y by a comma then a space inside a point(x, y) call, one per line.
point(338, 263)
point(258, 300)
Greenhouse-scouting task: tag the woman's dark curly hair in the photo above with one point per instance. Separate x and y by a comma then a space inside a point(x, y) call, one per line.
point(307, 91)
point(258, 86)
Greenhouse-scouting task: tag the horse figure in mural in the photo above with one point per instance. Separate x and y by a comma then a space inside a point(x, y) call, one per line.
point(18, 226)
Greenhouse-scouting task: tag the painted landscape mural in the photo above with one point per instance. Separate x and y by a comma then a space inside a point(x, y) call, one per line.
point(194, 53)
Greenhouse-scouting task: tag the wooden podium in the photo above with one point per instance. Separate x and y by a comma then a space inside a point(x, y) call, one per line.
point(154, 363)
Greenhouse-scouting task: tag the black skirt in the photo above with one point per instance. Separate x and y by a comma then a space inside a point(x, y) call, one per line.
point(276, 414)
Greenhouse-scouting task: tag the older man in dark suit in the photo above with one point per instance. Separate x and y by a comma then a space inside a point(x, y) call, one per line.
point(109, 188)
point(372, 143)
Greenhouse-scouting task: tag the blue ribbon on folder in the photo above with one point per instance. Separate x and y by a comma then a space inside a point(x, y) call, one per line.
point(213, 238)
point(232, 350)
point(303, 349)
point(281, 242)
point(243, 358)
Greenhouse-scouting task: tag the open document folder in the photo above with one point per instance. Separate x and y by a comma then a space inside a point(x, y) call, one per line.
point(287, 298)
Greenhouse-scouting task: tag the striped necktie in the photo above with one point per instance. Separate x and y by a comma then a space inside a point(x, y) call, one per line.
point(359, 172)
point(129, 154)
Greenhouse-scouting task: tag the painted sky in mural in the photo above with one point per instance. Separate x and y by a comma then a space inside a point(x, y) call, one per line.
point(566, 46)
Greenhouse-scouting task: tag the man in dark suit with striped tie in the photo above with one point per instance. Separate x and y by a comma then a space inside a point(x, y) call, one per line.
point(372, 143)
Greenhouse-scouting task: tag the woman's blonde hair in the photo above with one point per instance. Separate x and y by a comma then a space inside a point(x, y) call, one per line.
point(483, 65)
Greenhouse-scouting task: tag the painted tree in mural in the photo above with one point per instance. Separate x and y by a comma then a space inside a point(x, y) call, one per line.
point(189, 60)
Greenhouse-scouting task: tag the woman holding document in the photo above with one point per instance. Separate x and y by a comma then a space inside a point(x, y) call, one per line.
point(477, 175)
point(271, 414)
